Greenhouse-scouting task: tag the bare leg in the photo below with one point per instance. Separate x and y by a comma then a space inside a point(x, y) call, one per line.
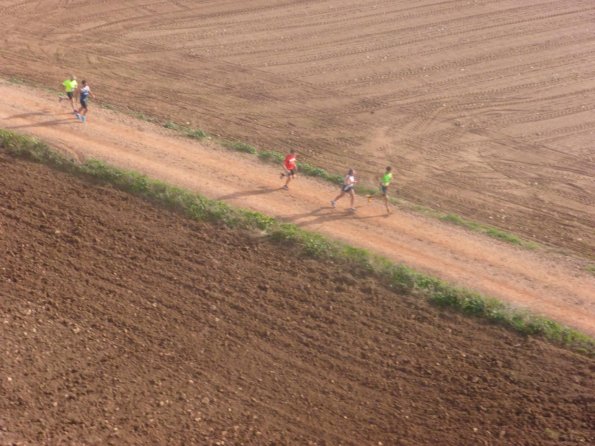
point(334, 202)
point(82, 113)
point(352, 199)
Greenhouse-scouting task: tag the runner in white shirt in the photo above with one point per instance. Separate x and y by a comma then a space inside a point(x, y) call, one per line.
point(347, 188)
point(84, 93)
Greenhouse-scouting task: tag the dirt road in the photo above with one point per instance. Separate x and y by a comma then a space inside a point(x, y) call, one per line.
point(546, 283)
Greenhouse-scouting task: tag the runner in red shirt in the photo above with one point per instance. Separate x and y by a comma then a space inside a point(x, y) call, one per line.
point(289, 167)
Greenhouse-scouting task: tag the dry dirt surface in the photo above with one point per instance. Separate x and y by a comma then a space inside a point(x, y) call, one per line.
point(125, 324)
point(484, 107)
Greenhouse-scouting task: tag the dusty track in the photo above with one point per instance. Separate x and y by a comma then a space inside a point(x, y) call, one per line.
point(486, 107)
point(549, 284)
point(125, 324)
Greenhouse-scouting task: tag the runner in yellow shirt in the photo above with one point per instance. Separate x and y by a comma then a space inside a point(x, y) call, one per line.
point(385, 181)
point(70, 85)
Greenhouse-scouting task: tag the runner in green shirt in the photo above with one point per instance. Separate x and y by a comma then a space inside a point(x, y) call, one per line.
point(385, 181)
point(70, 85)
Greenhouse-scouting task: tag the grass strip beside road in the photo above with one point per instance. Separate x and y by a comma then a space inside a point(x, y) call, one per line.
point(488, 230)
point(397, 276)
point(264, 155)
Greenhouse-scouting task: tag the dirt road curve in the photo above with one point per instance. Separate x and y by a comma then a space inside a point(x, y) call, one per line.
point(546, 283)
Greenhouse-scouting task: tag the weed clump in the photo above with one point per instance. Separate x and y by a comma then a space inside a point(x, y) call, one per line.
point(239, 146)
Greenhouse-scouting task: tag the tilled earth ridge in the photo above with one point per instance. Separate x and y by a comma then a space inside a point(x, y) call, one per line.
point(123, 323)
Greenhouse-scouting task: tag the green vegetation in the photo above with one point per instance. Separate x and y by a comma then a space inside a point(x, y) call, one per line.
point(16, 80)
point(186, 131)
point(277, 158)
point(171, 125)
point(467, 224)
point(141, 116)
point(240, 147)
point(32, 149)
point(196, 134)
point(590, 268)
point(314, 171)
point(399, 277)
point(488, 230)
point(271, 157)
point(264, 155)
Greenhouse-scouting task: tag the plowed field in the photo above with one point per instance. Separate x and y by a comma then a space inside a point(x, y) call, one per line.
point(122, 323)
point(484, 107)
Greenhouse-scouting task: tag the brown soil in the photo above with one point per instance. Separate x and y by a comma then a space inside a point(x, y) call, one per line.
point(484, 107)
point(127, 324)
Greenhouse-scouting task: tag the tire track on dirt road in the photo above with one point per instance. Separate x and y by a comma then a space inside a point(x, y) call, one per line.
point(543, 282)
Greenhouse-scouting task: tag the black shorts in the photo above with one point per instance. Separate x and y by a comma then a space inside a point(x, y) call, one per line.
point(383, 189)
point(70, 94)
point(84, 102)
point(347, 188)
point(291, 172)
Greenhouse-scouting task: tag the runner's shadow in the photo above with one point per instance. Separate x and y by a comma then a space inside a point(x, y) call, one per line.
point(26, 115)
point(326, 214)
point(260, 191)
point(42, 124)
